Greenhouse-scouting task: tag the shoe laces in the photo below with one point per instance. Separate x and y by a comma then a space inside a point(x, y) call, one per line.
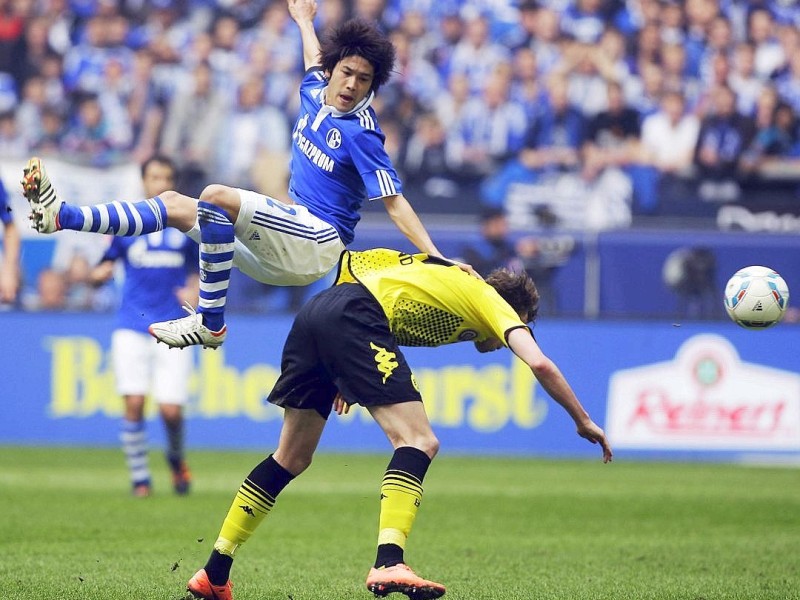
point(189, 323)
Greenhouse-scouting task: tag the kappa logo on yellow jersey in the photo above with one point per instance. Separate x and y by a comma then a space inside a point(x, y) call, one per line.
point(386, 361)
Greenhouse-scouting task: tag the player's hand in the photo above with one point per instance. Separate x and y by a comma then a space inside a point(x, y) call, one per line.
point(340, 405)
point(467, 268)
point(590, 431)
point(302, 10)
point(9, 284)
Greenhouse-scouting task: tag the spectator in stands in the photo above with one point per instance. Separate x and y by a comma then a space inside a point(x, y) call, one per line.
point(789, 38)
point(51, 131)
point(426, 164)
point(13, 143)
point(476, 55)
point(743, 79)
point(669, 136)
point(719, 43)
point(449, 34)
point(673, 66)
point(768, 55)
point(551, 145)
point(587, 71)
point(645, 91)
point(672, 22)
point(414, 76)
point(667, 144)
point(773, 150)
point(612, 138)
point(253, 137)
point(30, 109)
point(724, 135)
point(525, 82)
point(191, 127)
point(449, 106)
point(490, 130)
point(495, 249)
point(788, 84)
point(547, 40)
point(699, 15)
point(51, 71)
point(90, 137)
point(31, 51)
point(610, 174)
point(584, 20)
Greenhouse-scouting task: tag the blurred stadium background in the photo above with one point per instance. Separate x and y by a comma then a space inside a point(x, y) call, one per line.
point(630, 155)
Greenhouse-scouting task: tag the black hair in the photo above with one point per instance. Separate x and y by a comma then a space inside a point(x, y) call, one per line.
point(160, 159)
point(358, 37)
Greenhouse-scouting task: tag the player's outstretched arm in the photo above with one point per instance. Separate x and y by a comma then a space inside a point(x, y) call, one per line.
point(407, 221)
point(553, 381)
point(303, 13)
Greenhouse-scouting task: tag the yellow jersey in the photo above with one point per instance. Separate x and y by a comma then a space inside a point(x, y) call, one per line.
point(429, 301)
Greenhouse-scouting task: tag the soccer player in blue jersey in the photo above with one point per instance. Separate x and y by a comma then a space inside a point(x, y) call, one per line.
point(338, 162)
point(160, 275)
point(9, 265)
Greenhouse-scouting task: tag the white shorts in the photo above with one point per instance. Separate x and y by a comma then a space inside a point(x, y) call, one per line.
point(142, 366)
point(281, 244)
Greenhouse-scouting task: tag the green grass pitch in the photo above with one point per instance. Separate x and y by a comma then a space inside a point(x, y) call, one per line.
point(488, 528)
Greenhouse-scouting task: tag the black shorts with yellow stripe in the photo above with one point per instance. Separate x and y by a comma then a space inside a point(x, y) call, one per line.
point(340, 341)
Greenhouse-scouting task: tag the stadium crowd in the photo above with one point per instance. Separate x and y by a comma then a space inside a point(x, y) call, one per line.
point(588, 98)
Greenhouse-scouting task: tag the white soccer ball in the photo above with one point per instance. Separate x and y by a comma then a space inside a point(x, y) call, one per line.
point(756, 297)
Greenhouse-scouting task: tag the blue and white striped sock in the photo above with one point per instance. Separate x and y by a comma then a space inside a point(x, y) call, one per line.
point(134, 444)
point(216, 260)
point(115, 218)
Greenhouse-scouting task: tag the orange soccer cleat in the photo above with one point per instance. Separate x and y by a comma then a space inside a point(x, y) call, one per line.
point(200, 587)
point(400, 578)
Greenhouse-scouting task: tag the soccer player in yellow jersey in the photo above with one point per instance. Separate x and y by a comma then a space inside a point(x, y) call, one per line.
point(344, 348)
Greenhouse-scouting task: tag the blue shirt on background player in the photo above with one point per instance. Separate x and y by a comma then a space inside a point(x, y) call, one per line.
point(156, 266)
point(160, 275)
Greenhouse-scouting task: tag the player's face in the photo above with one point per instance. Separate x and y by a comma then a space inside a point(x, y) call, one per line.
point(349, 83)
point(157, 179)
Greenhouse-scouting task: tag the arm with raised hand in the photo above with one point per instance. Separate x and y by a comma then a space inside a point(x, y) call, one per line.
point(303, 13)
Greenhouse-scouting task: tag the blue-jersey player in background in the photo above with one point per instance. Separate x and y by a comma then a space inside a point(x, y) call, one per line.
point(160, 275)
point(9, 261)
point(338, 162)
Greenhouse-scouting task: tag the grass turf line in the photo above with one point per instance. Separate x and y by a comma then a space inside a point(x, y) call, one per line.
point(488, 528)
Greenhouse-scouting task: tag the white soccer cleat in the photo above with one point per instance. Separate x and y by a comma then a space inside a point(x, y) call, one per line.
point(41, 196)
point(188, 331)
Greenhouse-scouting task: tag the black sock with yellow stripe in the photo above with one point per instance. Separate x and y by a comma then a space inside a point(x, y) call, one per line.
point(401, 494)
point(252, 504)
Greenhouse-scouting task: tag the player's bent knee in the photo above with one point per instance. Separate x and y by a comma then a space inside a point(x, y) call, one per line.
point(429, 445)
point(224, 197)
point(217, 193)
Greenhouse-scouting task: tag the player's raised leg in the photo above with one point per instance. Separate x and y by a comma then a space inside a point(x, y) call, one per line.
point(50, 214)
point(217, 210)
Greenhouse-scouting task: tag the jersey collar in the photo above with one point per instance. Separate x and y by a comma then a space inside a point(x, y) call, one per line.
point(327, 109)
